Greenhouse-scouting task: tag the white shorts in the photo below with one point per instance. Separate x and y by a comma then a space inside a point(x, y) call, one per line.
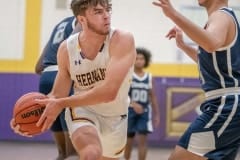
point(112, 131)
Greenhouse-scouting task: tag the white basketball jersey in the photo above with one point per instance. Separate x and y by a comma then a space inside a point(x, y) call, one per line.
point(89, 73)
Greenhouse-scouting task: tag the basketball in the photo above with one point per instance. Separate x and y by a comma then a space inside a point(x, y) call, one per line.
point(27, 113)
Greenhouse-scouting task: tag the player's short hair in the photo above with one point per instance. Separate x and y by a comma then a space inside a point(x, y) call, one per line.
point(146, 53)
point(80, 6)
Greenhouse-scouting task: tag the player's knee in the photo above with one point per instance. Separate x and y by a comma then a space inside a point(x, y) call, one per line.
point(175, 156)
point(181, 154)
point(172, 157)
point(91, 152)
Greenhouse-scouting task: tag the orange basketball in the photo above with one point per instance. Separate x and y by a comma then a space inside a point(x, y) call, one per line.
point(27, 113)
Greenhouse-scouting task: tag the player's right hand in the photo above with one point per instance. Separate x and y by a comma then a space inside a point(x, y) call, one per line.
point(16, 129)
point(166, 7)
point(137, 108)
point(176, 33)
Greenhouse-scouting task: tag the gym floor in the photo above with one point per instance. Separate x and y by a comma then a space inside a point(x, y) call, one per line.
point(12, 150)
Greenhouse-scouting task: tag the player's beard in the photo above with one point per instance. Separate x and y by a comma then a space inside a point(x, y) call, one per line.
point(96, 30)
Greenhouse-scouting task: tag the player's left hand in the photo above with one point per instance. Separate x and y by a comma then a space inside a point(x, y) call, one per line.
point(16, 128)
point(52, 110)
point(156, 121)
point(166, 6)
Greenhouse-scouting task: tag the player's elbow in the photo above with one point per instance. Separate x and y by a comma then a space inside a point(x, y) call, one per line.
point(38, 71)
point(213, 46)
point(38, 68)
point(210, 49)
point(110, 97)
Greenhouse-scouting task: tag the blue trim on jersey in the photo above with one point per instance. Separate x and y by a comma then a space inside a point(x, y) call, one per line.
point(221, 68)
point(60, 32)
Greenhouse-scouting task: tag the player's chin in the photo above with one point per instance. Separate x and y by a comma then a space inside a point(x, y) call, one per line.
point(105, 32)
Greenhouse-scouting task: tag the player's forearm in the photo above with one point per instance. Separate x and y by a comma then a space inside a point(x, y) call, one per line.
point(58, 93)
point(153, 101)
point(93, 96)
point(155, 107)
point(194, 32)
point(39, 65)
point(190, 51)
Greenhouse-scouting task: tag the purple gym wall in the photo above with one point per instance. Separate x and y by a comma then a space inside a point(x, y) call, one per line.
point(12, 87)
point(178, 99)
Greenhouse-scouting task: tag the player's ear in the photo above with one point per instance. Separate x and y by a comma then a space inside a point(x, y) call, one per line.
point(80, 19)
point(82, 22)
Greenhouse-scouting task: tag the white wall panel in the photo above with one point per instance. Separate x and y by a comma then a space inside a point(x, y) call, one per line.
point(12, 29)
point(51, 15)
point(147, 23)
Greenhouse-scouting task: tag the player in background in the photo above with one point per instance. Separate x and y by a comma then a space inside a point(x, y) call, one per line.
point(47, 68)
point(143, 100)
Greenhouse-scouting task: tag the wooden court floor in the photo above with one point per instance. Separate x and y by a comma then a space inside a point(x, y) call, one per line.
point(11, 150)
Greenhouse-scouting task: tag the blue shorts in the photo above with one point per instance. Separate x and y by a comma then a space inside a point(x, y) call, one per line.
point(139, 123)
point(45, 86)
point(60, 123)
point(215, 134)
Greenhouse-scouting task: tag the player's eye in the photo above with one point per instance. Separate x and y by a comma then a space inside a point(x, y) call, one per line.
point(99, 12)
point(109, 10)
point(102, 11)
